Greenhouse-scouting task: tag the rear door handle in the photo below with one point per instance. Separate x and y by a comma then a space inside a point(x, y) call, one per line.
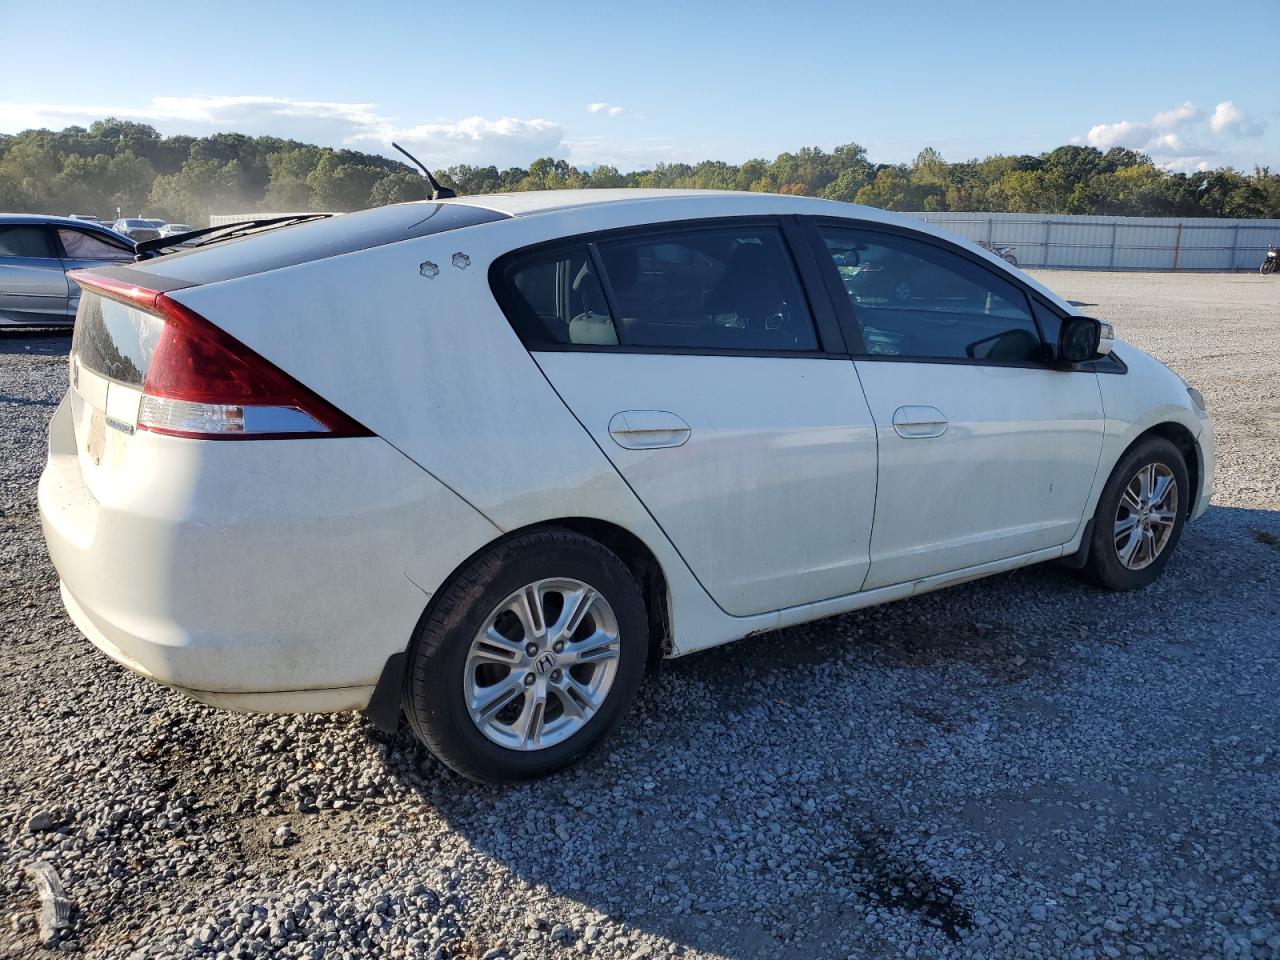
point(912, 423)
point(647, 429)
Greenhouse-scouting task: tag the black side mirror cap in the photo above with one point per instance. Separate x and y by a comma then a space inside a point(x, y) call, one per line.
point(1081, 340)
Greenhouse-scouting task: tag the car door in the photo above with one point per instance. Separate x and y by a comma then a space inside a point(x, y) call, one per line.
point(722, 395)
point(82, 248)
point(987, 451)
point(33, 286)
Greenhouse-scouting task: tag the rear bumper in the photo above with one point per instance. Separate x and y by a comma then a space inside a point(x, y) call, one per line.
point(273, 576)
point(328, 700)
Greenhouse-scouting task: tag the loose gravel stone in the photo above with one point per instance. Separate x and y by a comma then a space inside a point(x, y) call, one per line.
point(1018, 767)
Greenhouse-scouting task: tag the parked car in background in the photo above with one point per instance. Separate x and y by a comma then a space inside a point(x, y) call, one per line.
point(35, 254)
point(594, 428)
point(156, 223)
point(137, 229)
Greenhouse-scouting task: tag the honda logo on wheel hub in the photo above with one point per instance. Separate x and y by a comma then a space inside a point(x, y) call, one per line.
point(545, 663)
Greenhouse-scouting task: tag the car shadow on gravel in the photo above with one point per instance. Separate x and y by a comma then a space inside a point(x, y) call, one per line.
point(768, 798)
point(42, 342)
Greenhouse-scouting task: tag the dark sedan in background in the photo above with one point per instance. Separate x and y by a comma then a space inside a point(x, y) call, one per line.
point(36, 252)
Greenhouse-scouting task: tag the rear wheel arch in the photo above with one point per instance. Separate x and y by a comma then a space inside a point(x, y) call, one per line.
point(635, 553)
point(385, 703)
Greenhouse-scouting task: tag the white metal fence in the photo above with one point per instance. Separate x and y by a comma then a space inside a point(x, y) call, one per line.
point(1119, 243)
point(222, 219)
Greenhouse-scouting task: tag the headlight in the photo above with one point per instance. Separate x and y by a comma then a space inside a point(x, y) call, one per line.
point(1197, 399)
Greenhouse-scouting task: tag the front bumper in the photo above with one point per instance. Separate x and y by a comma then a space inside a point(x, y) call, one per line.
point(273, 576)
point(1207, 454)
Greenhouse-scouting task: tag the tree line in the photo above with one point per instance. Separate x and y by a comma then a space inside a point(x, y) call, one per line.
point(116, 164)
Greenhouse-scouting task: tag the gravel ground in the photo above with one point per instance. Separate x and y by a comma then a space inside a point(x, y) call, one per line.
point(1018, 767)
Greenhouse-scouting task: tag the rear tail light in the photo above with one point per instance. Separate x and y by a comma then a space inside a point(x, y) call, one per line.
point(201, 382)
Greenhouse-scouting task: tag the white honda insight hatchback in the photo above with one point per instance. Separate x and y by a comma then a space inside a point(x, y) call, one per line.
point(484, 459)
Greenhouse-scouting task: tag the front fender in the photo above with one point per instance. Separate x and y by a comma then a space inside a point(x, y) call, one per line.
point(1150, 395)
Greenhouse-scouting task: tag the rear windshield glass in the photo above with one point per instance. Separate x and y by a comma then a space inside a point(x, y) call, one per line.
point(115, 340)
point(315, 240)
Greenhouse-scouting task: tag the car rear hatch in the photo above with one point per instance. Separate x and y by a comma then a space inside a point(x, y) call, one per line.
point(142, 362)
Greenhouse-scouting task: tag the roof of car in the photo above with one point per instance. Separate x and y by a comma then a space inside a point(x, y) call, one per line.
point(332, 236)
point(734, 201)
point(52, 220)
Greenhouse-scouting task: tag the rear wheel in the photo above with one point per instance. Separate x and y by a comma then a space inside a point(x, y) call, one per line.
point(529, 658)
point(1140, 516)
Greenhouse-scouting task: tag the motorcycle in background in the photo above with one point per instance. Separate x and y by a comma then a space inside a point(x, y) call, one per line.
point(1003, 252)
point(1272, 263)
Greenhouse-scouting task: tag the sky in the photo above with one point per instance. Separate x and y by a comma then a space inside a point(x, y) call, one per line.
point(635, 84)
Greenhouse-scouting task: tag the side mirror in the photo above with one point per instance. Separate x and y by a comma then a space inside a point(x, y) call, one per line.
point(1082, 339)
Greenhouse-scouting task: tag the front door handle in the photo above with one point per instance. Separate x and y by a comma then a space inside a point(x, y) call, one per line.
point(647, 429)
point(912, 423)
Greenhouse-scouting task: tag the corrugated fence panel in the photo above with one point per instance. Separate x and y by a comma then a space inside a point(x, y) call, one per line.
point(1119, 243)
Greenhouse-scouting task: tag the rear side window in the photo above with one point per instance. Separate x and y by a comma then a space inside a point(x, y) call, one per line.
point(913, 299)
point(82, 245)
point(115, 340)
point(26, 241)
point(716, 288)
point(560, 299)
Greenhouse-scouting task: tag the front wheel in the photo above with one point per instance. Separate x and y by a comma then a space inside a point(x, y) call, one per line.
point(1268, 266)
point(1140, 516)
point(529, 658)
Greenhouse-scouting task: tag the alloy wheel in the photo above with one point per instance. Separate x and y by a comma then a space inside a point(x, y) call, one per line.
point(542, 664)
point(1146, 516)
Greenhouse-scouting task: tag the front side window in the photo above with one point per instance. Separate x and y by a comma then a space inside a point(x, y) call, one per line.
point(696, 289)
point(26, 241)
point(82, 245)
point(914, 299)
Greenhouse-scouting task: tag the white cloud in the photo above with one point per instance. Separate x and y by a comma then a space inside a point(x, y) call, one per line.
point(502, 141)
point(612, 109)
point(1185, 112)
point(1104, 136)
point(1179, 138)
point(1229, 119)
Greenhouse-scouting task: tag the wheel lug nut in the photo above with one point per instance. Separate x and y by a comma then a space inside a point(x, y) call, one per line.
point(531, 649)
point(558, 646)
point(556, 675)
point(529, 679)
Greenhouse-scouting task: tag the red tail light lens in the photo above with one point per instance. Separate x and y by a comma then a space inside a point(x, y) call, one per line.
point(202, 382)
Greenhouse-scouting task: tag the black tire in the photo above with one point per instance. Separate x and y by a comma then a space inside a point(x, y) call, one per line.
point(1104, 566)
point(433, 696)
point(1267, 267)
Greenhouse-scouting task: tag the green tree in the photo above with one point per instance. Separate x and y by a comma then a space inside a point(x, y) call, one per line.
point(200, 188)
point(339, 185)
point(399, 187)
